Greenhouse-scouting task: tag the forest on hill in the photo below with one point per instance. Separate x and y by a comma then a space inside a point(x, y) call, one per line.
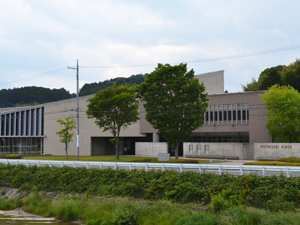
point(31, 96)
point(92, 88)
point(25, 96)
point(282, 75)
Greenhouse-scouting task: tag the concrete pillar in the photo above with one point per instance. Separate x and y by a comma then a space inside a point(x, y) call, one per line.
point(155, 137)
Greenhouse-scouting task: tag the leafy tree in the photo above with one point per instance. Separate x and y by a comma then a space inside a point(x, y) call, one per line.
point(114, 108)
point(271, 76)
point(282, 75)
point(283, 110)
point(65, 134)
point(267, 78)
point(175, 102)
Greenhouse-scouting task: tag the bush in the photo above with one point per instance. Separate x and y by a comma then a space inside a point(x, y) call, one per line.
point(203, 219)
point(273, 163)
point(11, 156)
point(125, 216)
point(220, 191)
point(9, 204)
point(290, 159)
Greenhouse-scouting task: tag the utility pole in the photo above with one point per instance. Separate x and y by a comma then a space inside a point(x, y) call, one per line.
point(77, 109)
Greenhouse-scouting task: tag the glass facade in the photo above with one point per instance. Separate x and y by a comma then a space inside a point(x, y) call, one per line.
point(23, 146)
point(22, 132)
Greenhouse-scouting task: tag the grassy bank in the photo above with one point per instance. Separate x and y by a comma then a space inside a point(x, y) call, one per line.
point(220, 192)
point(125, 211)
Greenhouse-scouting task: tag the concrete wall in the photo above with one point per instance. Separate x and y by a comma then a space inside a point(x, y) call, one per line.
point(256, 126)
point(216, 150)
point(213, 82)
point(150, 148)
point(272, 151)
point(88, 128)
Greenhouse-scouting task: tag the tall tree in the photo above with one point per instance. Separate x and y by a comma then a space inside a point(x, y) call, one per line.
point(271, 76)
point(283, 110)
point(175, 102)
point(114, 108)
point(65, 134)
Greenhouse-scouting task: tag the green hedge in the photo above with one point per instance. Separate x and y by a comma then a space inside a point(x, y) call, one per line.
point(290, 159)
point(219, 191)
point(10, 156)
point(272, 163)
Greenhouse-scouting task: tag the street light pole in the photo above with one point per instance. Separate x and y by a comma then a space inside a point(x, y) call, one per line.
point(77, 108)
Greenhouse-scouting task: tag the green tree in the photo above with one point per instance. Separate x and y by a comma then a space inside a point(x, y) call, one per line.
point(175, 102)
point(271, 76)
point(267, 78)
point(114, 108)
point(283, 110)
point(65, 134)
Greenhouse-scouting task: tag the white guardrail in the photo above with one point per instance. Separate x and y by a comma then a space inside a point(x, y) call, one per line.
point(237, 170)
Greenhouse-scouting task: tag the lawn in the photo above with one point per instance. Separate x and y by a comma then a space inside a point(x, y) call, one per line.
point(290, 161)
point(112, 158)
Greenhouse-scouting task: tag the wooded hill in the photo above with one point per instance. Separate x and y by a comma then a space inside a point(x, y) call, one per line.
point(37, 95)
point(92, 88)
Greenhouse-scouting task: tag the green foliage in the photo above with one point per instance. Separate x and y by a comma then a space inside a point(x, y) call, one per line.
point(92, 88)
point(290, 159)
point(203, 219)
point(116, 210)
point(272, 163)
point(175, 102)
point(220, 192)
point(10, 156)
point(283, 108)
point(114, 108)
point(9, 204)
point(280, 75)
point(65, 134)
point(31, 95)
point(126, 216)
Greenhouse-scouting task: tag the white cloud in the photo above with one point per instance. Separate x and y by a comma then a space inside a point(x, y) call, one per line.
point(35, 34)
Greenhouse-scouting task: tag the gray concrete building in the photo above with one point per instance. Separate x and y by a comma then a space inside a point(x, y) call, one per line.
point(230, 118)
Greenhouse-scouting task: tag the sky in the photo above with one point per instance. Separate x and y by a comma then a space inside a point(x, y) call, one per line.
point(118, 38)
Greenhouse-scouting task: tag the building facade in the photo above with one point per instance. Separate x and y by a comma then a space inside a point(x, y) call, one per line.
point(229, 118)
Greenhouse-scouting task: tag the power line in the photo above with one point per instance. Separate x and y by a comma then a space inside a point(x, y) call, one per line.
point(40, 75)
point(209, 59)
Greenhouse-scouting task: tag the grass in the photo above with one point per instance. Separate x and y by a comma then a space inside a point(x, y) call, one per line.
point(290, 161)
point(112, 158)
point(116, 210)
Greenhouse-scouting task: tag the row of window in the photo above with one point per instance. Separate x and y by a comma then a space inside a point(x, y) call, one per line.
point(23, 123)
point(226, 114)
point(203, 139)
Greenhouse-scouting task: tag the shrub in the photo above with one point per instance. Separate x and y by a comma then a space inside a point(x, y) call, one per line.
point(125, 216)
point(9, 204)
point(273, 163)
point(290, 159)
point(11, 156)
point(220, 191)
point(203, 219)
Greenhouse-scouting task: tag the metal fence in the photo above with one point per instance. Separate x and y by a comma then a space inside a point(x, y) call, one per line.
point(237, 170)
